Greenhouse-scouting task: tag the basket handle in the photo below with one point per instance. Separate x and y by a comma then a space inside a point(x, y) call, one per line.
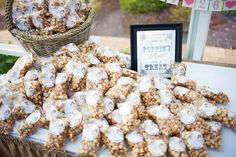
point(8, 14)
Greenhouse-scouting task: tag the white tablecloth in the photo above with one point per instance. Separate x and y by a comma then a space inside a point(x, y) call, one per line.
point(219, 78)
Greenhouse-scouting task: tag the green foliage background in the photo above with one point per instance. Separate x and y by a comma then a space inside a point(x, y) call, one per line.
point(96, 5)
point(141, 6)
point(181, 14)
point(6, 63)
point(2, 4)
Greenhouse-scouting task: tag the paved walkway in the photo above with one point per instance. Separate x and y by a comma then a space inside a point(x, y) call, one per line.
point(5, 37)
point(211, 54)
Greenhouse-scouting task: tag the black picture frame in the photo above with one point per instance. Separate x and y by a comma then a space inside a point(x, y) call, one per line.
point(178, 27)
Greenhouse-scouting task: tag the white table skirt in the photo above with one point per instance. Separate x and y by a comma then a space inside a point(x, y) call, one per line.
point(219, 78)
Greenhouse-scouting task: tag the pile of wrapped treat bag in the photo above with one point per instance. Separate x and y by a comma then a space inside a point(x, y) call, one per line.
point(47, 17)
point(88, 89)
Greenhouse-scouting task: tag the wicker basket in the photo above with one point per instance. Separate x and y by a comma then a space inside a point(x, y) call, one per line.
point(44, 45)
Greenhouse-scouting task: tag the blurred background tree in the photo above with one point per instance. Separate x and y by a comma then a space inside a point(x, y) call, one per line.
point(2, 4)
point(141, 6)
point(181, 14)
point(96, 5)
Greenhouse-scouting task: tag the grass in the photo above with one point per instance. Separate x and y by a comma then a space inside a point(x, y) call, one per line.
point(6, 62)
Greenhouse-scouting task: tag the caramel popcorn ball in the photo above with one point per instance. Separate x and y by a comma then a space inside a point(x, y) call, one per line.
point(23, 108)
point(161, 83)
point(34, 121)
point(134, 99)
point(51, 113)
point(179, 80)
point(60, 91)
point(130, 73)
point(90, 140)
point(192, 121)
point(97, 79)
point(114, 117)
point(47, 79)
point(114, 73)
point(106, 55)
point(91, 60)
point(166, 97)
point(221, 114)
point(134, 137)
point(195, 143)
point(102, 124)
point(214, 139)
point(129, 117)
point(56, 137)
point(121, 89)
point(75, 125)
point(175, 107)
point(186, 95)
point(169, 125)
point(177, 148)
point(219, 97)
point(157, 147)
point(137, 143)
point(148, 128)
point(76, 75)
point(32, 87)
point(23, 64)
point(6, 119)
point(178, 69)
point(95, 104)
point(61, 58)
point(33, 92)
point(108, 106)
point(116, 142)
point(149, 94)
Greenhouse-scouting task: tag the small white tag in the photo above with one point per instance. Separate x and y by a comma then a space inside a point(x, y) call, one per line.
point(216, 5)
point(5, 112)
point(57, 126)
point(175, 2)
point(33, 117)
point(202, 4)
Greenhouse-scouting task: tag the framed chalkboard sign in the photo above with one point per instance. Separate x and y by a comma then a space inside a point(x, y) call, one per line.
point(155, 47)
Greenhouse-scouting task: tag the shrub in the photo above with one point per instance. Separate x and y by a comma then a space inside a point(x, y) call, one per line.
point(232, 14)
point(96, 5)
point(6, 63)
point(2, 4)
point(126, 50)
point(181, 15)
point(141, 6)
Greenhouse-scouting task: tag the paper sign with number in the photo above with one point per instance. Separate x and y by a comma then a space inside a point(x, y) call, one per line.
point(230, 5)
point(202, 4)
point(216, 5)
point(175, 2)
point(188, 3)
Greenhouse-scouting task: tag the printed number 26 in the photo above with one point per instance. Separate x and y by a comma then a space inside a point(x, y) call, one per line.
point(202, 4)
point(216, 4)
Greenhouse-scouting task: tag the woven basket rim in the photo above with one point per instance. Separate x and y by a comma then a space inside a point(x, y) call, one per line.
point(39, 38)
